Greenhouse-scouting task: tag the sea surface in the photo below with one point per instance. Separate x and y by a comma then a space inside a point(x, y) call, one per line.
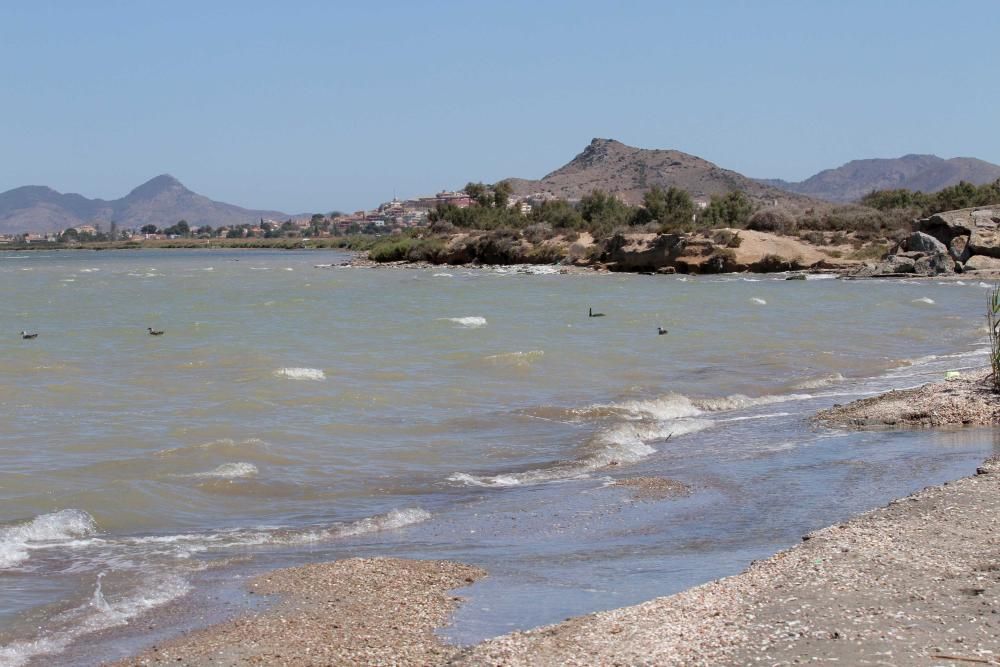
point(296, 410)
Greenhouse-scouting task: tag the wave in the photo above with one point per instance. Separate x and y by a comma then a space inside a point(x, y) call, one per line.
point(98, 613)
point(923, 299)
point(301, 373)
point(443, 275)
point(471, 322)
point(518, 359)
point(16, 541)
point(237, 470)
point(822, 381)
point(741, 402)
point(618, 445)
point(758, 300)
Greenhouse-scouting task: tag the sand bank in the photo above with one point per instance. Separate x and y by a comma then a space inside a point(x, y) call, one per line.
point(965, 400)
point(351, 612)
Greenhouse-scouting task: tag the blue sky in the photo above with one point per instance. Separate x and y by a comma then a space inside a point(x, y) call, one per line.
point(314, 106)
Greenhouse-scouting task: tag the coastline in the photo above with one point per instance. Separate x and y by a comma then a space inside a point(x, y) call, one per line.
point(913, 582)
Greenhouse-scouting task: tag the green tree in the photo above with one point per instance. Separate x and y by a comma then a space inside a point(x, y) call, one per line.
point(148, 229)
point(501, 194)
point(731, 210)
point(479, 193)
point(673, 209)
point(604, 212)
point(558, 213)
point(180, 229)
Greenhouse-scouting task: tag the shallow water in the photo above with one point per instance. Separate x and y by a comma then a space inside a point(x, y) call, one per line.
point(296, 412)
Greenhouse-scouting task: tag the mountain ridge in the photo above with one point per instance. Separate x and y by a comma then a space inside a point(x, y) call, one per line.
point(161, 201)
point(629, 172)
point(913, 171)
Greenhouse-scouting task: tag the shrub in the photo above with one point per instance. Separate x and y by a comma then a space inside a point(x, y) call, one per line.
point(773, 220)
point(993, 324)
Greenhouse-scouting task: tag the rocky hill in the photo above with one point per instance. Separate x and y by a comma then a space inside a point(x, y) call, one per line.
point(927, 173)
point(161, 201)
point(627, 171)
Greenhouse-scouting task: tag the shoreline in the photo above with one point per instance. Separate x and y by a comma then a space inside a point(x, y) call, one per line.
point(917, 580)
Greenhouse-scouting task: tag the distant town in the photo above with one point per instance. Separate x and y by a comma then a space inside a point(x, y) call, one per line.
point(393, 216)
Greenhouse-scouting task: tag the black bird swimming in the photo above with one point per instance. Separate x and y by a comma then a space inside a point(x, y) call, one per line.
point(153, 333)
point(28, 336)
point(591, 313)
point(661, 331)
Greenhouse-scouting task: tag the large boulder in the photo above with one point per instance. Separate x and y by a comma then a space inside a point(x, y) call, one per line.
point(895, 264)
point(984, 238)
point(921, 242)
point(947, 225)
point(959, 248)
point(933, 264)
point(982, 263)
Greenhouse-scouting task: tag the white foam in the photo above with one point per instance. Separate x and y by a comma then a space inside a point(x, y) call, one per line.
point(923, 299)
point(470, 322)
point(237, 470)
point(823, 381)
point(741, 402)
point(758, 300)
point(95, 615)
point(301, 373)
point(16, 541)
point(443, 275)
point(671, 406)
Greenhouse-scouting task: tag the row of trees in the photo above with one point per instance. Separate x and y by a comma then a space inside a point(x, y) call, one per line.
point(670, 211)
point(923, 204)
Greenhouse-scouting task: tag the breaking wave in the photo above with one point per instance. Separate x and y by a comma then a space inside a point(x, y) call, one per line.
point(471, 322)
point(17, 541)
point(237, 470)
point(301, 373)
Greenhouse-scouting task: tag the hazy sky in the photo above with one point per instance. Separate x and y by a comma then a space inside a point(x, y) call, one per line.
point(314, 106)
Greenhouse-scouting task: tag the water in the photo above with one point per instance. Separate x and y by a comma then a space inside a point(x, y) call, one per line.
point(295, 412)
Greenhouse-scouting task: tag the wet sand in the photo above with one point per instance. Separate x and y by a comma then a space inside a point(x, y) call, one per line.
point(914, 583)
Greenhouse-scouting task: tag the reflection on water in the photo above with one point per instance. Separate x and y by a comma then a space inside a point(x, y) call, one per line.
point(294, 412)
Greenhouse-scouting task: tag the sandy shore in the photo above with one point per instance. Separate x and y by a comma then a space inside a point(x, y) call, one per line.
point(914, 583)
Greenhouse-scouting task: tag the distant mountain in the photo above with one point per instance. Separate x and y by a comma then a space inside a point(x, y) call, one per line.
point(927, 173)
point(629, 172)
point(161, 201)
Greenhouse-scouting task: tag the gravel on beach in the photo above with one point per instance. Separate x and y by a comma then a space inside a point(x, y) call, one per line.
point(360, 611)
point(965, 400)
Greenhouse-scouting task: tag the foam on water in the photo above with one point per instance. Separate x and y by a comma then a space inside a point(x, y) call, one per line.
point(237, 470)
point(741, 402)
point(98, 613)
point(822, 381)
point(443, 275)
point(924, 299)
point(758, 300)
point(470, 322)
point(301, 373)
point(17, 541)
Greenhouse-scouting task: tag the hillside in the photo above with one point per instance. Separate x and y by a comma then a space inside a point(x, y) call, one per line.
point(926, 173)
point(161, 201)
point(627, 171)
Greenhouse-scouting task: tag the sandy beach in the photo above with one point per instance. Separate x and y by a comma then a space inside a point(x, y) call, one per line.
point(915, 582)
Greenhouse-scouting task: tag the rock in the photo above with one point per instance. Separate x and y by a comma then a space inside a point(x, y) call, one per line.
point(985, 236)
point(896, 264)
point(982, 263)
point(920, 242)
point(932, 265)
point(958, 248)
point(946, 226)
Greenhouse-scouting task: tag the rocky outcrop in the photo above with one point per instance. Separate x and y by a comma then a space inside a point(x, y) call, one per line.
point(962, 240)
